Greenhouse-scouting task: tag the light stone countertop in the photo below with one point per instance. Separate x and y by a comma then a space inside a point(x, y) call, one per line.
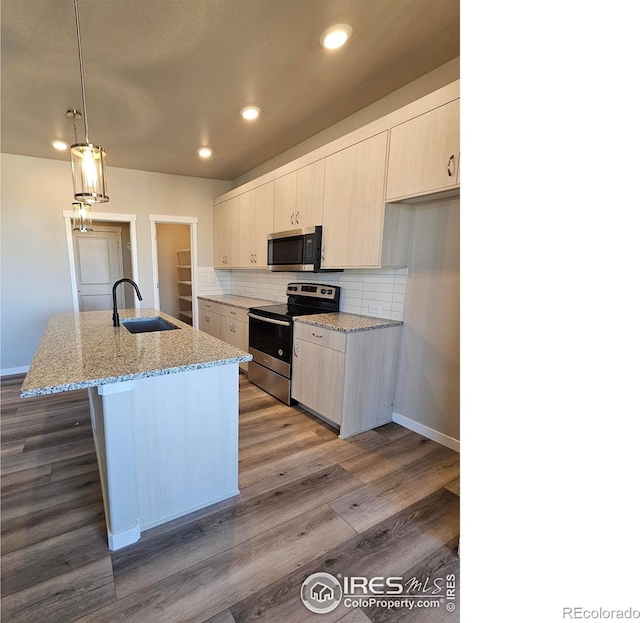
point(347, 323)
point(86, 350)
point(233, 300)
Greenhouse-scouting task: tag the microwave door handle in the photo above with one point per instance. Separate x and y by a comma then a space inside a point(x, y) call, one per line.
point(269, 320)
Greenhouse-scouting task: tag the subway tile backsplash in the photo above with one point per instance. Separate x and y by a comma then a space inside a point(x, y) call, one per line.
point(212, 281)
point(361, 290)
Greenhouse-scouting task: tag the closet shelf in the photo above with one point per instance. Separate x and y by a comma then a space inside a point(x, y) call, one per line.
point(185, 278)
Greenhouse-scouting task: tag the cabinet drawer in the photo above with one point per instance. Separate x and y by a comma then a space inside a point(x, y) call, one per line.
point(209, 306)
point(235, 313)
point(325, 337)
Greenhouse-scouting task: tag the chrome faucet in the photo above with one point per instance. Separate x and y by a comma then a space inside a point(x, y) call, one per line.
point(116, 317)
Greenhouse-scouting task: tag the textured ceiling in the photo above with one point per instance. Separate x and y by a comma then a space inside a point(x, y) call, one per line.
point(164, 77)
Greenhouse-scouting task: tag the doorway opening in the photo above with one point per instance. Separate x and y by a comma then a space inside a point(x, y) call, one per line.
point(97, 259)
point(174, 255)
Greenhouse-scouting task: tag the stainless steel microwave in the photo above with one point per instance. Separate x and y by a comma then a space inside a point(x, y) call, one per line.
point(295, 250)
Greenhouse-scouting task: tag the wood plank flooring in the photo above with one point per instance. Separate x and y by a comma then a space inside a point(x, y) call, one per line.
point(381, 503)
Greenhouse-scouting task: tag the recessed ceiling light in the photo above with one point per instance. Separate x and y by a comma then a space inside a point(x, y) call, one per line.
point(336, 36)
point(250, 112)
point(60, 145)
point(204, 152)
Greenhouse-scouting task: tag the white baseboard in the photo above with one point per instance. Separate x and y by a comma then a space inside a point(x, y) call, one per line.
point(427, 432)
point(124, 538)
point(10, 371)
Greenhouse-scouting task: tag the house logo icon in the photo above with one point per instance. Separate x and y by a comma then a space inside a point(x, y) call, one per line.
point(321, 593)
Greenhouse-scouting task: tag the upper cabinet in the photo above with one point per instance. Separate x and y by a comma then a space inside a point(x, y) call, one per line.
point(225, 234)
point(424, 153)
point(359, 187)
point(255, 219)
point(354, 203)
point(358, 230)
point(299, 198)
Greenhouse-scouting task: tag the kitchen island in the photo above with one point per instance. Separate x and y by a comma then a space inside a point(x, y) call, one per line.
point(164, 412)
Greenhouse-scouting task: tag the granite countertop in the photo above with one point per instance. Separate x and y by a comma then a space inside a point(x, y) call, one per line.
point(86, 350)
point(347, 323)
point(233, 300)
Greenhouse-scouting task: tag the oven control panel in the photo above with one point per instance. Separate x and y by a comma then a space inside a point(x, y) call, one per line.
point(314, 290)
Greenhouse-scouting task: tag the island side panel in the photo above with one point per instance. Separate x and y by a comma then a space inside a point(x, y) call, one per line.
point(112, 422)
point(186, 435)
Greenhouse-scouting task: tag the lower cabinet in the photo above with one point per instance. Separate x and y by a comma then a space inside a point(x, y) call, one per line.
point(209, 321)
point(229, 324)
point(347, 378)
point(235, 331)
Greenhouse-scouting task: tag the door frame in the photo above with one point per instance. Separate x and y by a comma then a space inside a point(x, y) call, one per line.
point(100, 216)
point(108, 230)
point(165, 219)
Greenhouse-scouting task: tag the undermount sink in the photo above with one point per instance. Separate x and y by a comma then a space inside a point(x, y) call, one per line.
point(147, 325)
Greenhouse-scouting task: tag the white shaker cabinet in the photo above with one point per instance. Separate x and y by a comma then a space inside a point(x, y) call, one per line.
point(424, 153)
point(347, 378)
point(299, 197)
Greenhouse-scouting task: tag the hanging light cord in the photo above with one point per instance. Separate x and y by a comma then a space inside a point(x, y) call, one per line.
point(84, 103)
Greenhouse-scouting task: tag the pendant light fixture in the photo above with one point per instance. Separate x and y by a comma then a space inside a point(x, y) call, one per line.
point(82, 217)
point(88, 166)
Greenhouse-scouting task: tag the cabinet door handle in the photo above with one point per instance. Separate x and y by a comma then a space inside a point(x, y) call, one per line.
point(450, 168)
point(232, 312)
point(295, 350)
point(322, 254)
point(297, 217)
point(206, 318)
point(292, 218)
point(316, 335)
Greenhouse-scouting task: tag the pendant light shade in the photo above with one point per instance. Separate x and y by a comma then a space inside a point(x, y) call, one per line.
point(88, 161)
point(82, 217)
point(88, 167)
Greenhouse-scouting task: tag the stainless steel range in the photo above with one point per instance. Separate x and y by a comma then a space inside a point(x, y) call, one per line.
point(271, 334)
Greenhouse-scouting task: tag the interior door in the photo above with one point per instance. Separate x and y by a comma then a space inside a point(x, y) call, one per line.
point(98, 256)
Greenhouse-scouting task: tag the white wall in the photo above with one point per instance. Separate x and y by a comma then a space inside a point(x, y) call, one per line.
point(427, 390)
point(35, 268)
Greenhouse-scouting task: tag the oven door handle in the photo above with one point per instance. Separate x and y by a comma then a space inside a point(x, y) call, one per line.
point(269, 320)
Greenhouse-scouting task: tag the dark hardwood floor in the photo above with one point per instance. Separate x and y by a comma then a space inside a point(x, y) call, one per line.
point(382, 503)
